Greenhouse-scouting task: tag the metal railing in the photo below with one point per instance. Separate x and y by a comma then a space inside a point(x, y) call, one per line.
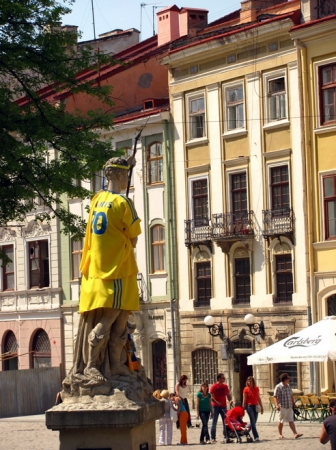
point(277, 221)
point(230, 225)
point(326, 8)
point(197, 230)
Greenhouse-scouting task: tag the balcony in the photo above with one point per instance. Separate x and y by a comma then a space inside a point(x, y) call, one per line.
point(197, 231)
point(326, 8)
point(232, 227)
point(277, 222)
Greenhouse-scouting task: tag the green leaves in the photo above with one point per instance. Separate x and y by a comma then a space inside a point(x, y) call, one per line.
point(44, 145)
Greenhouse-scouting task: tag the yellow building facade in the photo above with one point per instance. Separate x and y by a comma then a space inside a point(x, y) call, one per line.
point(241, 225)
point(315, 41)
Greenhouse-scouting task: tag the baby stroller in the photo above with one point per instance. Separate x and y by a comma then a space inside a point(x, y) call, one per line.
point(235, 427)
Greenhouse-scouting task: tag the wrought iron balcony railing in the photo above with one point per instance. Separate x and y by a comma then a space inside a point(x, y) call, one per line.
point(277, 222)
point(326, 8)
point(197, 231)
point(232, 225)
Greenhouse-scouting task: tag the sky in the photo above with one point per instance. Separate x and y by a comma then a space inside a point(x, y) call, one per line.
point(125, 14)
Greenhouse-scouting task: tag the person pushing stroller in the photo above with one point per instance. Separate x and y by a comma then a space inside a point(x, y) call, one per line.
point(235, 426)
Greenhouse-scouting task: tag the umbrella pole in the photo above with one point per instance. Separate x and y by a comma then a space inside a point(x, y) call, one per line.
point(334, 370)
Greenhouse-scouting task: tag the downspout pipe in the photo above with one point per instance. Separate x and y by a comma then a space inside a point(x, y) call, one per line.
point(307, 191)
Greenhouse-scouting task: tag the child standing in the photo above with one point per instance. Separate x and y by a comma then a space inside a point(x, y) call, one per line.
point(165, 422)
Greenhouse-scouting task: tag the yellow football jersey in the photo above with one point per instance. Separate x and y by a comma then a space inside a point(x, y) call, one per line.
point(108, 264)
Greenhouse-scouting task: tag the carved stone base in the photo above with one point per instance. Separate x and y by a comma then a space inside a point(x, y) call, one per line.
point(105, 424)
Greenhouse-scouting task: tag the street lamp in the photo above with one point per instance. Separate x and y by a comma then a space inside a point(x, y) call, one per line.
point(215, 329)
point(257, 329)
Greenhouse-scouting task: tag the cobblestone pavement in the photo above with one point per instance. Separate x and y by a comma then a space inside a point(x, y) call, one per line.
point(30, 433)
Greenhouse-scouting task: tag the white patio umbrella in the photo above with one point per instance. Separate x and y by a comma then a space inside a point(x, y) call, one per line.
point(314, 343)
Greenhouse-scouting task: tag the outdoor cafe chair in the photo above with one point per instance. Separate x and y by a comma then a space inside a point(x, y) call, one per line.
point(316, 407)
point(305, 408)
point(325, 410)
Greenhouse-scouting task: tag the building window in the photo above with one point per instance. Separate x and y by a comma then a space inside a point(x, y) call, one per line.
point(280, 188)
point(331, 305)
point(196, 113)
point(158, 249)
point(200, 202)
point(242, 280)
point(10, 357)
point(76, 255)
point(276, 98)
point(203, 284)
point(38, 264)
point(41, 351)
point(154, 163)
point(328, 94)
point(159, 361)
point(8, 269)
point(204, 366)
point(239, 193)
point(234, 105)
point(291, 369)
point(98, 181)
point(329, 200)
point(284, 278)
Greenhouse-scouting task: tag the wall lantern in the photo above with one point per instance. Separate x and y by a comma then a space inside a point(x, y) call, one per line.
point(215, 329)
point(257, 329)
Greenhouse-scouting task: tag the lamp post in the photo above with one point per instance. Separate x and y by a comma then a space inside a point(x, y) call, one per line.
point(257, 329)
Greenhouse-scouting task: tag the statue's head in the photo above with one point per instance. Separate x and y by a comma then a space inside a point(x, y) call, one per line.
point(114, 166)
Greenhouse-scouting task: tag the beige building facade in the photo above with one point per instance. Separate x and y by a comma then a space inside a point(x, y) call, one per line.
point(234, 92)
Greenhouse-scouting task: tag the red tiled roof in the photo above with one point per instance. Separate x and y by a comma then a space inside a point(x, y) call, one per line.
point(313, 22)
point(203, 37)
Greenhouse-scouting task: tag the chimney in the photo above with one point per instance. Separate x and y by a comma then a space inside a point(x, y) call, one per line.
point(250, 8)
point(192, 20)
point(168, 24)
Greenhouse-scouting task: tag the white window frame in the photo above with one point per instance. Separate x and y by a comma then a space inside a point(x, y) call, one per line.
point(27, 259)
point(267, 78)
point(191, 97)
point(270, 166)
point(247, 254)
point(275, 249)
point(191, 179)
point(6, 244)
point(229, 174)
point(226, 88)
point(199, 255)
point(317, 66)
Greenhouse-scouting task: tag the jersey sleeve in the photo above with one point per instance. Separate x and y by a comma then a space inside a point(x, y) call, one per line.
point(131, 220)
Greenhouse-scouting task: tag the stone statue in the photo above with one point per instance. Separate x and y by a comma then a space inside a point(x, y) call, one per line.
point(109, 291)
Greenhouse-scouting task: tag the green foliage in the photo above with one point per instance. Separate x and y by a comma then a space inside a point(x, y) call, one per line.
point(43, 146)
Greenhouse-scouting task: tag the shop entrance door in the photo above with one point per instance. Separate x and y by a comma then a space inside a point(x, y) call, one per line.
point(159, 361)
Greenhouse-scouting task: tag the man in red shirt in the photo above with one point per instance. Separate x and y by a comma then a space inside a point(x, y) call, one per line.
point(219, 393)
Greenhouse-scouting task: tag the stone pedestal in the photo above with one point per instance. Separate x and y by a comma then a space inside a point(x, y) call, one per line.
point(104, 426)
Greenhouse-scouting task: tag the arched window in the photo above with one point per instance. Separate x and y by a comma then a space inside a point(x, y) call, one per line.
point(158, 249)
point(41, 351)
point(154, 163)
point(331, 302)
point(204, 365)
point(10, 358)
